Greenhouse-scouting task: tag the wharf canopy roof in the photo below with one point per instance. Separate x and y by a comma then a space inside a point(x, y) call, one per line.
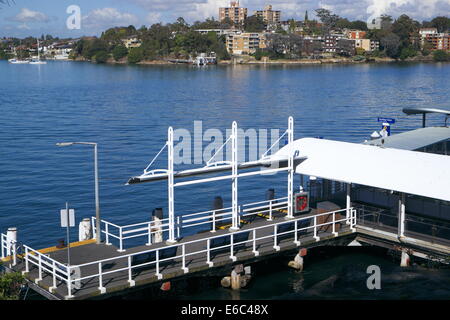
point(411, 172)
point(415, 139)
point(425, 110)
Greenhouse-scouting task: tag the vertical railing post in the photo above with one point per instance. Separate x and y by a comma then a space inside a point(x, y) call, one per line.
point(270, 211)
point(130, 273)
point(94, 234)
point(14, 247)
point(255, 252)
point(315, 229)
point(121, 240)
point(353, 220)
point(213, 229)
point(69, 284)
point(53, 287)
point(149, 239)
point(348, 203)
point(401, 215)
point(232, 256)
point(100, 279)
point(27, 265)
point(39, 268)
point(208, 253)
point(334, 224)
point(296, 234)
point(178, 227)
point(275, 238)
point(159, 275)
point(2, 246)
point(107, 233)
point(183, 255)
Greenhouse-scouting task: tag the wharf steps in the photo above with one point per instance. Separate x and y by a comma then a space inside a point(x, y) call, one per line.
point(117, 283)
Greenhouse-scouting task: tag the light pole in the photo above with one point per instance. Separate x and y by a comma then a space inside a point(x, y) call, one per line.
point(98, 233)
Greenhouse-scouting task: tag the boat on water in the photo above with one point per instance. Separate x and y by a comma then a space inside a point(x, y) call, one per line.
point(38, 60)
point(18, 61)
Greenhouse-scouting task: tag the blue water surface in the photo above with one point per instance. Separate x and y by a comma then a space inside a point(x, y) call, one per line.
point(127, 110)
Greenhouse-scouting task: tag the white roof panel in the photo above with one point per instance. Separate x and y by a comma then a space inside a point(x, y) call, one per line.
point(414, 139)
point(412, 172)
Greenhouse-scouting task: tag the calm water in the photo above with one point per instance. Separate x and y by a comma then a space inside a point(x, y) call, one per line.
point(127, 111)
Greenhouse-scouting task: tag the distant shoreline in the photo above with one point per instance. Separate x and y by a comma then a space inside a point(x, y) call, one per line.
point(246, 61)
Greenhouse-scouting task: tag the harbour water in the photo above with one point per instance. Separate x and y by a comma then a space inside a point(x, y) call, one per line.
point(127, 109)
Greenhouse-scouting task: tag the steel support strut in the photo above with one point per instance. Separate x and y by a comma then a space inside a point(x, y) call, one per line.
point(171, 187)
point(290, 213)
point(234, 184)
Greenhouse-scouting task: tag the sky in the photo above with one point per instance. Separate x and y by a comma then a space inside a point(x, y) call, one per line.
point(23, 18)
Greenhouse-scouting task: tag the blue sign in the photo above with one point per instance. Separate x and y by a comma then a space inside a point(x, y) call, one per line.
point(387, 120)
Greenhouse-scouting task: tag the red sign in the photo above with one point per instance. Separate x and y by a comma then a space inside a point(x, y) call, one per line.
point(302, 202)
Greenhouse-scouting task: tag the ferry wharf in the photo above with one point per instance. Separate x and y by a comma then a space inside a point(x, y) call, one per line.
point(340, 202)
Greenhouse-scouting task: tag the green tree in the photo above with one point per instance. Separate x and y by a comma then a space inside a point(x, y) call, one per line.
point(119, 52)
point(254, 24)
point(328, 19)
point(407, 52)
point(10, 284)
point(441, 56)
point(441, 23)
point(391, 44)
point(136, 55)
point(101, 56)
point(89, 48)
point(359, 25)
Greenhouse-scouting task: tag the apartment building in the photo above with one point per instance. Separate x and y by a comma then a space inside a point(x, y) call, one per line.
point(435, 40)
point(235, 13)
point(338, 44)
point(245, 43)
point(268, 15)
point(367, 44)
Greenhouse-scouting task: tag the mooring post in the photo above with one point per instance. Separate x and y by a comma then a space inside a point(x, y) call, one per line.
point(405, 259)
point(298, 261)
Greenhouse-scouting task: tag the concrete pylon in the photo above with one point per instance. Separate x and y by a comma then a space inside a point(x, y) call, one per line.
point(405, 259)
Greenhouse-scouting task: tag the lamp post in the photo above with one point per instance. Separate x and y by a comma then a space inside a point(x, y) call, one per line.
point(97, 204)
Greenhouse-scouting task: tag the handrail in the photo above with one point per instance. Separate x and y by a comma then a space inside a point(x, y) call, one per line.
point(210, 217)
point(65, 273)
point(219, 236)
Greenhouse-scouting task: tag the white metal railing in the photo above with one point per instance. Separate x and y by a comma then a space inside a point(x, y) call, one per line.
point(8, 248)
point(44, 263)
point(146, 229)
point(349, 219)
point(149, 229)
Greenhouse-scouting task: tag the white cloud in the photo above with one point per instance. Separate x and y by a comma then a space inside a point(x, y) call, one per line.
point(27, 15)
point(23, 26)
point(153, 17)
point(108, 17)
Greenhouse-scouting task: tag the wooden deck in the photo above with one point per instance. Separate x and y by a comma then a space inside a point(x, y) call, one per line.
point(196, 263)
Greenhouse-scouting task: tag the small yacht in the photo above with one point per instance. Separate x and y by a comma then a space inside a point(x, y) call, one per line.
point(38, 60)
point(17, 61)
